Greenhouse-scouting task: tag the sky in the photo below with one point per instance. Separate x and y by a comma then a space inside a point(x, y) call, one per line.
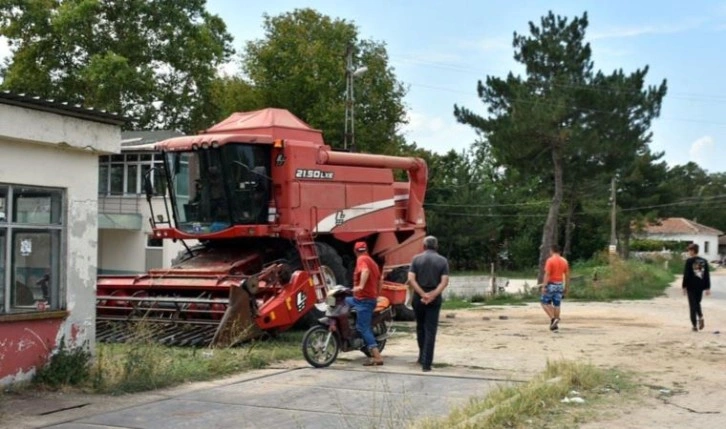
point(440, 49)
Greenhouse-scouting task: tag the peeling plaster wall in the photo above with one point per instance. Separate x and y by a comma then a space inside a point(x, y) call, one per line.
point(76, 171)
point(51, 128)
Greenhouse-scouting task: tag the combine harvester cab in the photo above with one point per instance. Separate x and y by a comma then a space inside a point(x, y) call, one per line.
point(275, 212)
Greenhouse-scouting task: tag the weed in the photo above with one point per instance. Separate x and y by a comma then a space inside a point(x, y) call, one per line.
point(143, 365)
point(66, 367)
point(532, 403)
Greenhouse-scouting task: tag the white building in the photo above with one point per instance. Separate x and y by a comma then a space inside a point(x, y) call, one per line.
point(125, 244)
point(682, 229)
point(49, 227)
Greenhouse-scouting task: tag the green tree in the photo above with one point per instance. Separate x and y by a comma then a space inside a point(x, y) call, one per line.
point(300, 65)
point(150, 60)
point(561, 114)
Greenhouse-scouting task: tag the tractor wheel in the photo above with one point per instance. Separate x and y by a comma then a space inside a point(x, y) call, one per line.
point(320, 347)
point(403, 312)
point(334, 274)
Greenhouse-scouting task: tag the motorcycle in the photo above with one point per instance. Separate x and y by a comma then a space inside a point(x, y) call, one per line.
point(336, 331)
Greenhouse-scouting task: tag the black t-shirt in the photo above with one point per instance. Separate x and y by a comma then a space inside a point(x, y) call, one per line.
point(429, 267)
point(695, 274)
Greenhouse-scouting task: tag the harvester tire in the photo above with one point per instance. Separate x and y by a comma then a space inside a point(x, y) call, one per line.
point(329, 259)
point(403, 312)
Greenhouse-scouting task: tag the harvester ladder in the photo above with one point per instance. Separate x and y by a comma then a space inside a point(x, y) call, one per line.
point(311, 262)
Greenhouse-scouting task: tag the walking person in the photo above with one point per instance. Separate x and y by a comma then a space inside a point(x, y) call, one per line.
point(555, 285)
point(696, 280)
point(429, 276)
point(366, 280)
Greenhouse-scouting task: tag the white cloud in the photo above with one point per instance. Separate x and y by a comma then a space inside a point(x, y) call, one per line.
point(701, 148)
point(648, 29)
point(438, 134)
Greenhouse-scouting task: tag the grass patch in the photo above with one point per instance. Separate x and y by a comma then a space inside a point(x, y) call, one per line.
point(537, 403)
point(140, 366)
point(620, 280)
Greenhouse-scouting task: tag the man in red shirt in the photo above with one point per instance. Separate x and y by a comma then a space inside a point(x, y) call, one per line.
point(366, 281)
point(555, 285)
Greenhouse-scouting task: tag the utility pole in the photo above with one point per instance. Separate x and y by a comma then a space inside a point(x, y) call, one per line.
point(613, 202)
point(350, 75)
point(349, 132)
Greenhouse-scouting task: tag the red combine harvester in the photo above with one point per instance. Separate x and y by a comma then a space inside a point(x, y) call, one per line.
point(275, 212)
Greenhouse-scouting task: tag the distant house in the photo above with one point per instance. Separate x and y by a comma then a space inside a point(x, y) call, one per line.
point(682, 229)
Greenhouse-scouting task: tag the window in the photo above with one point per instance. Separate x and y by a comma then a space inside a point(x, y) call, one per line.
point(30, 247)
point(154, 242)
point(124, 174)
point(705, 247)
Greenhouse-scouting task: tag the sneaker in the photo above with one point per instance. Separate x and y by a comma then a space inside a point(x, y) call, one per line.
point(701, 324)
point(553, 325)
point(694, 329)
point(426, 369)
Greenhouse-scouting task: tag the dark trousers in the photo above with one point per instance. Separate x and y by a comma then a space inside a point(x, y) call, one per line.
point(427, 322)
point(694, 303)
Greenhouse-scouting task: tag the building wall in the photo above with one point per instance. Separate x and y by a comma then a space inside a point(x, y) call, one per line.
point(126, 252)
point(701, 240)
point(45, 149)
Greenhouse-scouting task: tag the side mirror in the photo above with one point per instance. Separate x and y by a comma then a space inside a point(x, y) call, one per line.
point(148, 188)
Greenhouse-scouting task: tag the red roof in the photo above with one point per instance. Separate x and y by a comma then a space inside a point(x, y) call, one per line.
point(277, 123)
point(680, 225)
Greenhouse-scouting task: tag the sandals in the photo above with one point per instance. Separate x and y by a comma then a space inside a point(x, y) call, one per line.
point(372, 363)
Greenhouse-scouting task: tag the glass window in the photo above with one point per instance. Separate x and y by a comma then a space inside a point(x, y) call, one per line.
point(705, 247)
point(33, 269)
point(36, 206)
point(154, 242)
point(132, 173)
point(117, 179)
point(3, 203)
point(117, 158)
point(159, 180)
point(103, 179)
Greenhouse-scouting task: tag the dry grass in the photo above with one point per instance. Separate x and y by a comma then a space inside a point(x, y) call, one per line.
point(537, 404)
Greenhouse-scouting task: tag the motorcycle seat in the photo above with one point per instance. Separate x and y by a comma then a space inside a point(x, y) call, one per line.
point(381, 304)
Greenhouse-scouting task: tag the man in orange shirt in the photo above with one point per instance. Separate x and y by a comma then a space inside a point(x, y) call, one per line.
point(555, 285)
point(366, 278)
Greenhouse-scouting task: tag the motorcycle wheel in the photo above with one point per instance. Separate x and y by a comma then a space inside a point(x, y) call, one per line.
point(314, 348)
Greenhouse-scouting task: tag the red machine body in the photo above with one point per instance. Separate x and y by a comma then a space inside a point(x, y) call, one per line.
point(288, 213)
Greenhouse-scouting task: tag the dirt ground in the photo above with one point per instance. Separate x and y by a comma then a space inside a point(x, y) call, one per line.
point(685, 371)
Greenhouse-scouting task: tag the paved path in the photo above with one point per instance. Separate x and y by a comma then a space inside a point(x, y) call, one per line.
point(301, 398)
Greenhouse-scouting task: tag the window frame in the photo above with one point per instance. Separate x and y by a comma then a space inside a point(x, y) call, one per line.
point(142, 160)
point(10, 228)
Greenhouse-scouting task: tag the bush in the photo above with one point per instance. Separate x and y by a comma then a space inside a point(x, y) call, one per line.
point(67, 367)
point(647, 245)
point(622, 280)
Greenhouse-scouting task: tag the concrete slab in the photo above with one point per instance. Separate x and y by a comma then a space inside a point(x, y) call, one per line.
point(302, 398)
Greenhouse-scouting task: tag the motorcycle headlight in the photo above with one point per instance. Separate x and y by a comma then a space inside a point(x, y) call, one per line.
point(330, 300)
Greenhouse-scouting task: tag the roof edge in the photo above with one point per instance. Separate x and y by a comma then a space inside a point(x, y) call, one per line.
point(65, 109)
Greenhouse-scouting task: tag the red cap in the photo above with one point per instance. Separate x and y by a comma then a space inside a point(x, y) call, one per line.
point(360, 246)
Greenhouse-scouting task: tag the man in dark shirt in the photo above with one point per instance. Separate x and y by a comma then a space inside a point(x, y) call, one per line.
point(696, 280)
point(429, 276)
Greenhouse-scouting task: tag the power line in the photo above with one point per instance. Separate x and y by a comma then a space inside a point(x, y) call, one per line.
point(581, 109)
point(469, 70)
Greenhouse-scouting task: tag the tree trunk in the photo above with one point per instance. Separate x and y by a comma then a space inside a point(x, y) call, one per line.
point(548, 232)
point(569, 226)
